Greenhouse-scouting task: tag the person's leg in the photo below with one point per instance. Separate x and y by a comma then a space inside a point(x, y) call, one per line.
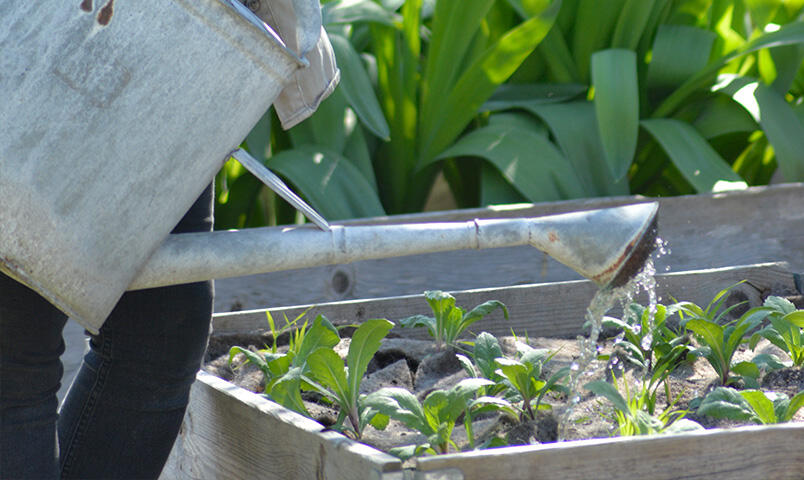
point(124, 409)
point(30, 375)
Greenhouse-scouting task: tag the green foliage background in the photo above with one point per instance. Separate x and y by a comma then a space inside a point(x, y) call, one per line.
point(537, 100)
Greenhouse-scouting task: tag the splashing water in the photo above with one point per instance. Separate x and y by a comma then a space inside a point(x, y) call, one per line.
point(602, 302)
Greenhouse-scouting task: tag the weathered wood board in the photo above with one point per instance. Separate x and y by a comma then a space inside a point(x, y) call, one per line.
point(766, 452)
point(231, 433)
point(549, 309)
point(757, 225)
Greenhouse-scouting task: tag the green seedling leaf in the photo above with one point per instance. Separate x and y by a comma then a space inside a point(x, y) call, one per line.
point(328, 369)
point(614, 77)
point(794, 406)
point(725, 402)
point(761, 405)
point(366, 340)
point(322, 334)
point(487, 349)
point(609, 392)
point(401, 405)
point(286, 391)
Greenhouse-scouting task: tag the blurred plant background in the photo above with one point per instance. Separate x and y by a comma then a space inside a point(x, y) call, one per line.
point(536, 100)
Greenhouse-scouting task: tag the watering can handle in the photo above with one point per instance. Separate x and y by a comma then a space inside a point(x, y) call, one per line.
point(277, 185)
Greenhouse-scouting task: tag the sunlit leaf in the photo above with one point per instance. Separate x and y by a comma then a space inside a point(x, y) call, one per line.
point(701, 166)
point(616, 101)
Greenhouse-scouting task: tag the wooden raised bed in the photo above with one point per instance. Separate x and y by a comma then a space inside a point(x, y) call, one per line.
point(757, 225)
point(232, 433)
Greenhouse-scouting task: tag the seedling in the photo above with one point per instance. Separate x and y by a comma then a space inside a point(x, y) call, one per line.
point(523, 376)
point(283, 371)
point(449, 321)
point(751, 405)
point(635, 412)
point(720, 342)
point(339, 382)
point(435, 417)
point(785, 329)
point(650, 344)
point(483, 362)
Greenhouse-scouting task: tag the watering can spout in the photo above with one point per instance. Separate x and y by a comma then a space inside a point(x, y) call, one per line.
point(607, 246)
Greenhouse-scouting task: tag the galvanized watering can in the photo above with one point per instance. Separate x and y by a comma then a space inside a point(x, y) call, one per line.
point(114, 119)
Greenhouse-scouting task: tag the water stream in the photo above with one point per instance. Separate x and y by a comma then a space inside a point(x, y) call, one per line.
point(602, 302)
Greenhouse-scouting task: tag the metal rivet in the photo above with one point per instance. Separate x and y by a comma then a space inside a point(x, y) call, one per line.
point(253, 5)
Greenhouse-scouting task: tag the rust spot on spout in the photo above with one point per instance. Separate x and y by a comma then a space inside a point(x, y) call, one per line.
point(552, 237)
point(86, 6)
point(105, 14)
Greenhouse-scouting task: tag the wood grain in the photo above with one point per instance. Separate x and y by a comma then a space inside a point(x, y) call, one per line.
point(551, 309)
point(757, 225)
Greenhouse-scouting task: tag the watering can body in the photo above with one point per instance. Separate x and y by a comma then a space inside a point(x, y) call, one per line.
point(114, 119)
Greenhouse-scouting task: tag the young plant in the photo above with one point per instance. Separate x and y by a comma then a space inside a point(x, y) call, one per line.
point(435, 417)
point(339, 382)
point(635, 412)
point(523, 376)
point(720, 342)
point(486, 350)
point(649, 344)
point(785, 329)
point(283, 371)
point(751, 405)
point(449, 321)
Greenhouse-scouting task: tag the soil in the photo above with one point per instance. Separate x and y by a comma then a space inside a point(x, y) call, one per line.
point(419, 367)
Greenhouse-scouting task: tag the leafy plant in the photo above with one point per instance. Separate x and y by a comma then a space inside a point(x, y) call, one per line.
point(720, 342)
point(486, 350)
point(751, 405)
point(283, 371)
point(785, 329)
point(523, 376)
point(655, 97)
point(436, 416)
point(340, 382)
point(449, 321)
point(635, 412)
point(648, 342)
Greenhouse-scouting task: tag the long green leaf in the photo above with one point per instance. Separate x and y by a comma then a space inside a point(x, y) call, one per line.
point(531, 95)
point(795, 404)
point(790, 34)
point(357, 87)
point(330, 183)
point(697, 161)
point(593, 28)
point(679, 51)
point(784, 131)
point(574, 127)
point(454, 26)
point(528, 161)
point(449, 114)
point(632, 22)
point(365, 342)
point(617, 107)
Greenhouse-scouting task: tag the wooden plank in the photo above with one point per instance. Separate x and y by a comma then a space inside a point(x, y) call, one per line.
point(231, 433)
point(552, 309)
point(745, 453)
point(757, 225)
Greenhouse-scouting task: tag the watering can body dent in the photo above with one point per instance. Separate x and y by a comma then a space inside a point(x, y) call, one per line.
point(113, 123)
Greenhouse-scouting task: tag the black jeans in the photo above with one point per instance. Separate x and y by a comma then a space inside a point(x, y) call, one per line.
point(125, 406)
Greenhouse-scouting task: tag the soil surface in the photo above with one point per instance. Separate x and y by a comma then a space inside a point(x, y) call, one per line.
point(419, 367)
